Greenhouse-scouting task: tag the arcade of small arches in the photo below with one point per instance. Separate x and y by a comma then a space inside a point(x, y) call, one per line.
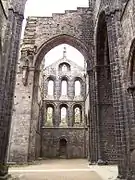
point(64, 115)
point(64, 86)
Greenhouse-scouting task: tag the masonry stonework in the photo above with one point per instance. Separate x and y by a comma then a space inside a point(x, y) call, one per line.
point(61, 28)
point(104, 33)
point(72, 130)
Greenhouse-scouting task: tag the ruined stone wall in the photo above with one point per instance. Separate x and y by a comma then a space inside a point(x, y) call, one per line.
point(119, 21)
point(75, 73)
point(127, 53)
point(73, 132)
point(71, 23)
point(11, 21)
point(75, 137)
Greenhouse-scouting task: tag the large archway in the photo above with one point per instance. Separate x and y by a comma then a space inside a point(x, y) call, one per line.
point(46, 47)
point(41, 35)
point(31, 96)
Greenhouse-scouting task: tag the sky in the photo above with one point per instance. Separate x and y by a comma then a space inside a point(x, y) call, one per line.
point(46, 8)
point(57, 53)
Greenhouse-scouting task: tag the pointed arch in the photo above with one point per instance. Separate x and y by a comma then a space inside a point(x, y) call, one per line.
point(61, 39)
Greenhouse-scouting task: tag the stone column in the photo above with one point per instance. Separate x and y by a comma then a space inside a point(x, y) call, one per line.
point(34, 113)
point(113, 29)
point(21, 119)
point(71, 88)
point(70, 116)
point(130, 105)
point(93, 137)
point(7, 82)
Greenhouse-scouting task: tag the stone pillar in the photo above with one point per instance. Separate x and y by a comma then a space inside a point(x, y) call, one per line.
point(21, 119)
point(93, 136)
point(57, 116)
point(7, 82)
point(71, 88)
point(130, 105)
point(113, 29)
point(34, 113)
point(71, 116)
point(58, 88)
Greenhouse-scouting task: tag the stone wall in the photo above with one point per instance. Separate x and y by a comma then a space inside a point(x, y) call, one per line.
point(119, 21)
point(41, 29)
point(75, 73)
point(73, 132)
point(76, 145)
point(10, 30)
point(127, 63)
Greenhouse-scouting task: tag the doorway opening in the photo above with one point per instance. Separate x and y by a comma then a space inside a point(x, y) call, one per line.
point(63, 148)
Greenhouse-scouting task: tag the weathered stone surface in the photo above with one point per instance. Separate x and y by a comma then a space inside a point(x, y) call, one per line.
point(73, 132)
point(104, 34)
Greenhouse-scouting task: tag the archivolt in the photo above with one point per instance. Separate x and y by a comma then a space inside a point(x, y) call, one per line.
point(47, 46)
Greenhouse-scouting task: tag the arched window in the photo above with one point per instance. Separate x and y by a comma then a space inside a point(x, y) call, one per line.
point(64, 86)
point(50, 112)
point(50, 87)
point(64, 68)
point(77, 115)
point(77, 88)
point(63, 114)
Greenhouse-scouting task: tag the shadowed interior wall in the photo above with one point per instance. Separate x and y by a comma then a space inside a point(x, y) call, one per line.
point(105, 102)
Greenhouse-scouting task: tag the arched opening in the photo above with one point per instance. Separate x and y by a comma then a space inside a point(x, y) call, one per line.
point(48, 112)
point(63, 148)
point(49, 116)
point(77, 114)
point(50, 87)
point(63, 115)
point(77, 88)
point(106, 136)
point(58, 40)
point(42, 51)
point(34, 69)
point(64, 67)
point(34, 75)
point(64, 87)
